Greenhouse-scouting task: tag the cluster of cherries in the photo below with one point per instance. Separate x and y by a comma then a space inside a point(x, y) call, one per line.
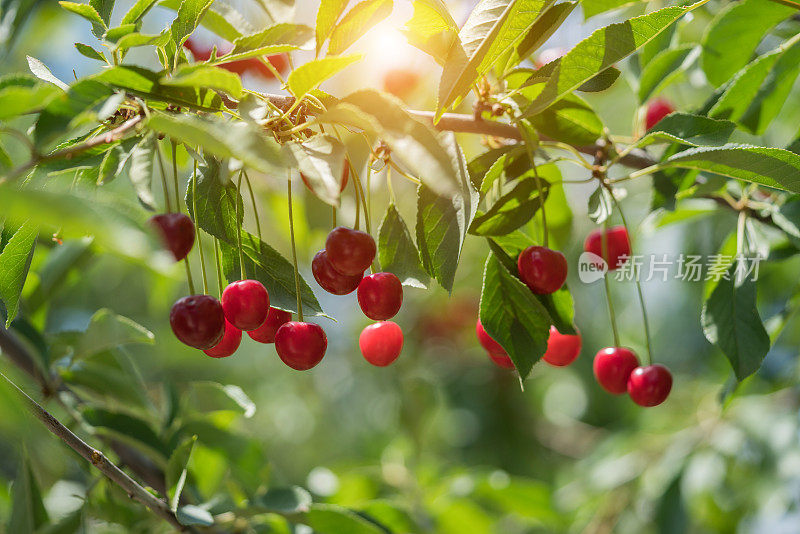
point(339, 269)
point(616, 369)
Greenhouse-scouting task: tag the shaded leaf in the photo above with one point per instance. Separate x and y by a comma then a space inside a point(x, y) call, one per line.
point(131, 429)
point(88, 51)
point(141, 172)
point(108, 330)
point(27, 508)
point(332, 519)
point(570, 120)
point(688, 129)
point(661, 69)
point(291, 500)
point(321, 160)
point(15, 260)
point(517, 206)
point(177, 471)
point(600, 82)
point(397, 252)
point(214, 203)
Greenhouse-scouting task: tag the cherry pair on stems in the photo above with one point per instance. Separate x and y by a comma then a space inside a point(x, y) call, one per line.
point(617, 370)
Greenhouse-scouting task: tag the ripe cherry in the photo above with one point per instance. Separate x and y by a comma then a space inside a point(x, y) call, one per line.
point(266, 332)
point(350, 251)
point(650, 385)
point(495, 351)
point(657, 110)
point(176, 231)
point(618, 242)
point(562, 349)
point(380, 296)
point(246, 304)
point(400, 82)
point(330, 279)
point(543, 270)
point(301, 346)
point(198, 321)
point(228, 344)
point(613, 366)
point(381, 343)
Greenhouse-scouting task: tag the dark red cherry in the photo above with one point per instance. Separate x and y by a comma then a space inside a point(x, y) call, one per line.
point(380, 296)
point(562, 349)
point(228, 344)
point(350, 251)
point(266, 332)
point(657, 110)
point(301, 346)
point(613, 366)
point(246, 304)
point(650, 385)
point(198, 321)
point(495, 351)
point(330, 279)
point(543, 270)
point(381, 343)
point(619, 245)
point(176, 231)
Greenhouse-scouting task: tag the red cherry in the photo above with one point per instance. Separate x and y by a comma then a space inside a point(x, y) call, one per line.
point(618, 242)
point(266, 332)
point(613, 366)
point(330, 279)
point(350, 251)
point(380, 296)
point(246, 304)
point(657, 110)
point(301, 346)
point(650, 385)
point(228, 344)
point(176, 231)
point(496, 352)
point(400, 82)
point(543, 270)
point(381, 343)
point(562, 349)
point(200, 52)
point(198, 321)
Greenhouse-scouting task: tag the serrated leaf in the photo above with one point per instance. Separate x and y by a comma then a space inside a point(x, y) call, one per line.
point(27, 508)
point(432, 29)
point(114, 35)
point(221, 19)
point(68, 110)
point(277, 38)
point(688, 129)
point(135, 40)
point(188, 18)
point(512, 316)
point(772, 167)
point(309, 75)
point(202, 76)
point(137, 11)
point(743, 23)
point(592, 8)
point(41, 71)
point(332, 519)
point(241, 140)
point(601, 50)
point(570, 120)
point(543, 28)
point(397, 252)
point(141, 172)
point(15, 260)
point(190, 514)
point(321, 160)
point(87, 51)
point(327, 15)
point(358, 21)
point(217, 206)
point(177, 471)
point(601, 81)
point(731, 322)
point(493, 28)
point(108, 330)
point(661, 69)
point(86, 11)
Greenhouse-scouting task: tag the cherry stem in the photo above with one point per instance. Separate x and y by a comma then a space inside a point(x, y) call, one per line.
point(333, 217)
point(240, 221)
point(219, 267)
point(529, 149)
point(389, 184)
point(189, 279)
point(294, 250)
point(358, 204)
point(611, 314)
point(360, 193)
point(167, 202)
point(197, 229)
point(175, 177)
point(255, 207)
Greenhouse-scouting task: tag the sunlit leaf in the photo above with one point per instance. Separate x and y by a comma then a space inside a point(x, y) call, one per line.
point(358, 21)
point(397, 252)
point(86, 11)
point(15, 260)
point(661, 69)
point(309, 75)
point(108, 330)
point(188, 18)
point(327, 15)
point(432, 29)
point(201, 76)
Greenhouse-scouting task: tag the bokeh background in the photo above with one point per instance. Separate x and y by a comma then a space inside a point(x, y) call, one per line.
point(442, 433)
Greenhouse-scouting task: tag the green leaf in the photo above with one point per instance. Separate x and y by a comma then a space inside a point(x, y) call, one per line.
point(513, 316)
point(731, 322)
point(41, 71)
point(772, 167)
point(291, 500)
point(543, 28)
point(327, 15)
point(134, 40)
point(600, 205)
point(570, 120)
point(224, 139)
point(221, 19)
point(309, 75)
point(189, 515)
point(137, 11)
point(414, 144)
point(757, 93)
point(332, 519)
point(432, 29)
point(66, 111)
point(126, 427)
point(86, 11)
point(109, 377)
point(88, 51)
point(72, 523)
point(442, 224)
point(177, 471)
point(108, 330)
point(600, 82)
point(104, 8)
point(16, 100)
point(397, 252)
point(15, 260)
point(592, 8)
point(357, 22)
point(272, 40)
point(688, 129)
point(114, 35)
point(662, 69)
point(493, 28)
point(201, 76)
point(141, 172)
point(217, 206)
point(743, 23)
point(601, 50)
point(190, 13)
point(321, 160)
point(232, 395)
point(27, 508)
